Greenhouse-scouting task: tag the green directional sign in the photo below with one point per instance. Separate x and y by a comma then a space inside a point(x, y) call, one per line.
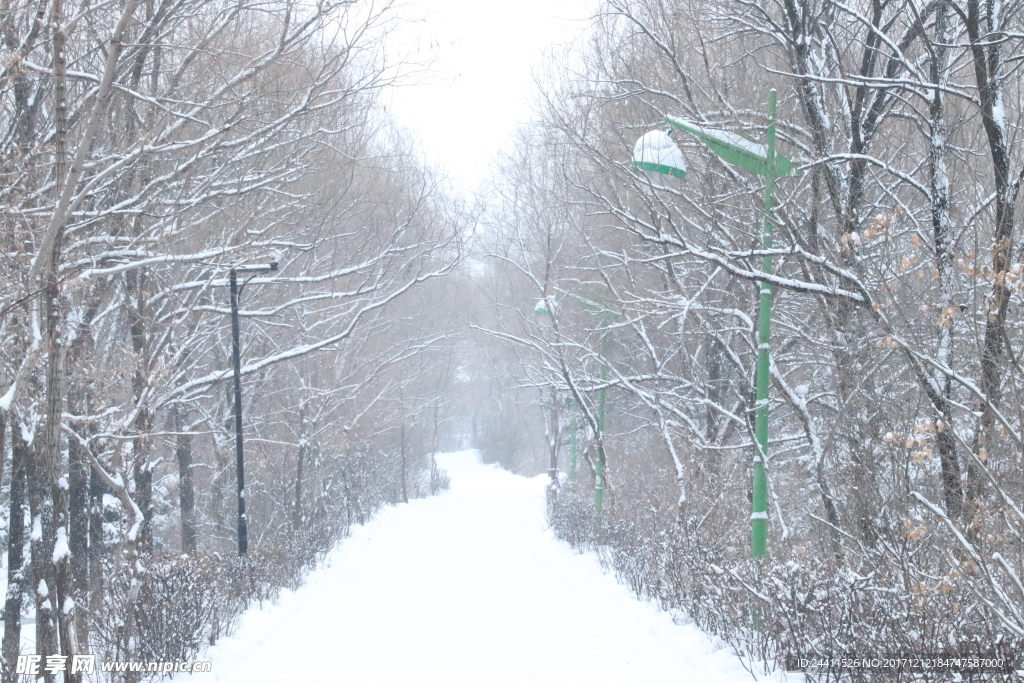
point(736, 149)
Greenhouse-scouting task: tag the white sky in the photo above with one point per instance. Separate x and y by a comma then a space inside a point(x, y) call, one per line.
point(480, 82)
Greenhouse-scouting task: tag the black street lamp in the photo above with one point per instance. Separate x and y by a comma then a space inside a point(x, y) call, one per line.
point(236, 291)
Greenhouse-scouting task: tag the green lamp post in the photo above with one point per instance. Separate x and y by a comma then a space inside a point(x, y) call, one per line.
point(599, 464)
point(655, 152)
point(544, 307)
point(607, 316)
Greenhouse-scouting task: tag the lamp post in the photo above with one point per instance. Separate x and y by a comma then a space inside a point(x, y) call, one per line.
point(599, 464)
point(545, 308)
point(236, 361)
point(656, 152)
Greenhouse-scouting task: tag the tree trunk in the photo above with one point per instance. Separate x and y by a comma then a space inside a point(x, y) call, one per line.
point(142, 471)
point(988, 66)
point(186, 489)
point(405, 487)
point(554, 437)
point(78, 533)
point(43, 537)
point(97, 547)
point(297, 512)
point(3, 451)
point(51, 556)
point(952, 484)
point(15, 558)
point(433, 452)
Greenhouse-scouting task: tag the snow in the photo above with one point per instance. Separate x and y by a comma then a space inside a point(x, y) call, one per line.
point(728, 137)
point(5, 400)
point(60, 548)
point(658, 149)
point(999, 112)
point(28, 434)
point(467, 586)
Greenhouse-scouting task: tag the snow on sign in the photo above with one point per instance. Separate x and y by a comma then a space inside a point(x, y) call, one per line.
point(656, 152)
point(737, 149)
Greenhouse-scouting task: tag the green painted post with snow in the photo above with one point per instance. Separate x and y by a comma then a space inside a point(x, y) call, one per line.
point(655, 152)
point(759, 510)
point(607, 316)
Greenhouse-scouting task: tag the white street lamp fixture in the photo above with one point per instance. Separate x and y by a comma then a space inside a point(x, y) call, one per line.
point(655, 152)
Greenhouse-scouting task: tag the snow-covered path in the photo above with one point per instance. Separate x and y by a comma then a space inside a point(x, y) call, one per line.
point(468, 586)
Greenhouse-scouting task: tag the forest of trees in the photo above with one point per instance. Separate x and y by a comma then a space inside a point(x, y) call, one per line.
point(896, 456)
point(147, 148)
point(583, 319)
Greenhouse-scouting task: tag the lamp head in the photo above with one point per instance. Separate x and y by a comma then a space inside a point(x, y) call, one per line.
point(657, 153)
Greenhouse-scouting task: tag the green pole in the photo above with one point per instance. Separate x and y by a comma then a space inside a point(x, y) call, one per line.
point(759, 512)
point(599, 461)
